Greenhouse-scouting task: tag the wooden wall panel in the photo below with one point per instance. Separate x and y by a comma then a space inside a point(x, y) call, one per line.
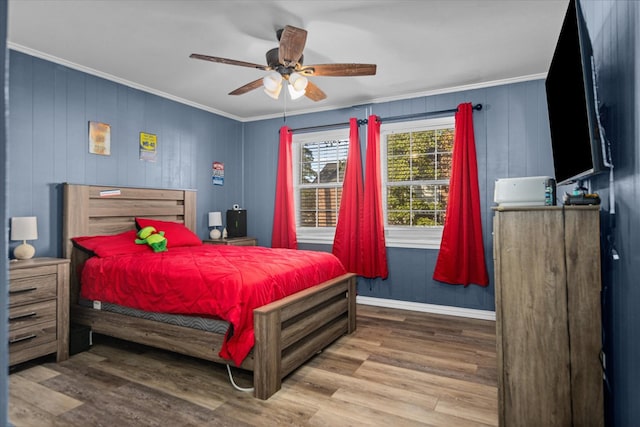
point(614, 27)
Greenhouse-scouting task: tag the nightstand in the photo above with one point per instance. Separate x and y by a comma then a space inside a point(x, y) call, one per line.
point(38, 309)
point(234, 241)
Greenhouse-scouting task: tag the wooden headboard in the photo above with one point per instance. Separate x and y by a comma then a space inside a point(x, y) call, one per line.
point(91, 210)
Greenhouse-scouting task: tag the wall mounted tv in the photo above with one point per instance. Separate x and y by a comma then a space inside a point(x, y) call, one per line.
point(573, 117)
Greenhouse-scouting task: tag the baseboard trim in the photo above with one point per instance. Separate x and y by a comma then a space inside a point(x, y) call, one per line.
point(428, 308)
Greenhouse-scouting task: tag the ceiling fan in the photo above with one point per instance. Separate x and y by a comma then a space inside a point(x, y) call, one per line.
point(286, 63)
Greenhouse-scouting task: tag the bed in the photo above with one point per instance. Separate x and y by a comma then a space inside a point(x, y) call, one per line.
point(287, 332)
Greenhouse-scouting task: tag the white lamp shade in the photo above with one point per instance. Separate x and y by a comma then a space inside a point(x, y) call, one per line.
point(272, 81)
point(295, 94)
point(272, 84)
point(298, 81)
point(273, 93)
point(215, 219)
point(24, 228)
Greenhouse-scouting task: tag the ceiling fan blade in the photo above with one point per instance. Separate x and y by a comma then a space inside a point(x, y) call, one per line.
point(339, 70)
point(292, 41)
point(314, 93)
point(229, 61)
point(248, 87)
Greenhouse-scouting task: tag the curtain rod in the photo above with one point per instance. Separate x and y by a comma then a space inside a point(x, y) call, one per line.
point(476, 107)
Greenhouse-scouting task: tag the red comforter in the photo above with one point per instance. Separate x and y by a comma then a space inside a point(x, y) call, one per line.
point(218, 281)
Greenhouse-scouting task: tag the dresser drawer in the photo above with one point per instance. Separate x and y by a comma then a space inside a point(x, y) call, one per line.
point(32, 288)
point(32, 341)
point(41, 270)
point(31, 314)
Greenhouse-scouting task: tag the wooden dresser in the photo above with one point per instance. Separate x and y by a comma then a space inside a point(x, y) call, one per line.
point(38, 309)
point(548, 327)
point(235, 241)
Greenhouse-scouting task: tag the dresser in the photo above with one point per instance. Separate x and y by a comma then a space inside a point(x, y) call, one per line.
point(234, 241)
point(38, 309)
point(548, 316)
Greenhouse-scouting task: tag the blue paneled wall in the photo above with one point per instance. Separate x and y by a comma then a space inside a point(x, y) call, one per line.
point(512, 139)
point(50, 107)
point(615, 32)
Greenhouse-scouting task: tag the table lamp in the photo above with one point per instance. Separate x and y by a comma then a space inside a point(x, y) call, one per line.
point(215, 220)
point(24, 228)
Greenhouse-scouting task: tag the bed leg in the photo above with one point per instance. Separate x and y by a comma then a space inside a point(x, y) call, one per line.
point(267, 369)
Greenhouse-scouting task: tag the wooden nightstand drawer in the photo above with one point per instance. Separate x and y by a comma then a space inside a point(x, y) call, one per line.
point(32, 341)
point(31, 314)
point(34, 288)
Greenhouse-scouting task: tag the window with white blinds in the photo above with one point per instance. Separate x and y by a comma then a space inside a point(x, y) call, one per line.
point(319, 173)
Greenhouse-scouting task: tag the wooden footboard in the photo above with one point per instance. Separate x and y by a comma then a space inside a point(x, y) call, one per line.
point(287, 332)
point(290, 331)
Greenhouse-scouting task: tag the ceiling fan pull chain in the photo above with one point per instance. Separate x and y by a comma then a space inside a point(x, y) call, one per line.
point(285, 108)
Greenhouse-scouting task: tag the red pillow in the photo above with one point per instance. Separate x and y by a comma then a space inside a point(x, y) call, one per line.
point(177, 234)
point(104, 246)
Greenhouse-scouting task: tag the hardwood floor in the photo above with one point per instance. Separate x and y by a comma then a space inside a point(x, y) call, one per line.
point(400, 368)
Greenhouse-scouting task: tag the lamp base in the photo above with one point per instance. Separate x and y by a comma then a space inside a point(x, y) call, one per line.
point(215, 234)
point(24, 251)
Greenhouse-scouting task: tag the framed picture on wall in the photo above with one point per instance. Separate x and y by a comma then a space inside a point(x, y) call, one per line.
point(99, 138)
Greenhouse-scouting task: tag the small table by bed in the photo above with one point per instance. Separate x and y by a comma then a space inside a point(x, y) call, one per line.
point(233, 241)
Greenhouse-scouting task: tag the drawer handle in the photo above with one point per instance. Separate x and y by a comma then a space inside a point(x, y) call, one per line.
point(26, 337)
point(21, 291)
point(22, 316)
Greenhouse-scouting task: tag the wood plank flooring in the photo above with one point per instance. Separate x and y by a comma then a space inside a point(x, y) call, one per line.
point(400, 368)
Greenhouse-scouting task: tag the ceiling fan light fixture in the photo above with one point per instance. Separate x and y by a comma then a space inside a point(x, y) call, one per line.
point(298, 82)
point(295, 94)
point(272, 81)
point(272, 84)
point(275, 94)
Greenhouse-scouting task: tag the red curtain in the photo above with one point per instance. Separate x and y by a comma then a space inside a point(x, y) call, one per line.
point(372, 242)
point(345, 242)
point(461, 258)
point(284, 216)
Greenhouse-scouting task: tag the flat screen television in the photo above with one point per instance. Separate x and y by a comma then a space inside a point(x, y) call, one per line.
point(571, 102)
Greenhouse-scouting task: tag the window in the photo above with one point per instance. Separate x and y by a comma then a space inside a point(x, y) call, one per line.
point(319, 165)
point(416, 166)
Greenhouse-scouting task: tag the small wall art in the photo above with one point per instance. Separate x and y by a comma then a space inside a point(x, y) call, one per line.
point(148, 147)
point(99, 138)
point(218, 173)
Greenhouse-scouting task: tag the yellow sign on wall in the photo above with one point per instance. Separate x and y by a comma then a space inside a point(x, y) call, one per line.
point(148, 147)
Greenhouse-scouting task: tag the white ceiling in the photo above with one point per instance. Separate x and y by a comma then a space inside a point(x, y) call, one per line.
point(420, 47)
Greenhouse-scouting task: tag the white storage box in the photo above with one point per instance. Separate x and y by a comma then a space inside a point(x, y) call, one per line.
point(525, 191)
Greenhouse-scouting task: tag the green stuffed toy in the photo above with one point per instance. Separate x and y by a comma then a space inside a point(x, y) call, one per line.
point(153, 238)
